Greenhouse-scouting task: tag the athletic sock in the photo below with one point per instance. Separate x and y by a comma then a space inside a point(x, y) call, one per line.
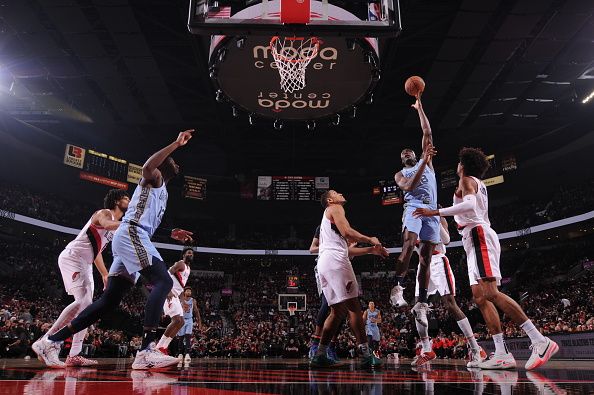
point(500, 346)
point(164, 342)
point(532, 332)
point(314, 340)
point(148, 337)
point(61, 335)
point(424, 335)
point(464, 325)
point(426, 344)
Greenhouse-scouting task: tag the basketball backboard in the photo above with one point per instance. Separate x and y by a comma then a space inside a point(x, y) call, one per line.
point(227, 17)
point(287, 300)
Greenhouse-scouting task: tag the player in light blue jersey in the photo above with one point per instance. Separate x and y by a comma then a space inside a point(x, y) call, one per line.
point(372, 318)
point(417, 180)
point(135, 254)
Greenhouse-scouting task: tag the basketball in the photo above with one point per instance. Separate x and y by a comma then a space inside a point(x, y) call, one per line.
point(414, 85)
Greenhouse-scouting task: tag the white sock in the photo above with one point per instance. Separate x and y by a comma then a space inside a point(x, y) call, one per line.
point(322, 348)
point(77, 342)
point(500, 347)
point(426, 344)
point(164, 342)
point(532, 332)
point(466, 329)
point(364, 348)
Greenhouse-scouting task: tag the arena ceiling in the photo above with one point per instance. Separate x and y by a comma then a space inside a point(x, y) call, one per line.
point(117, 75)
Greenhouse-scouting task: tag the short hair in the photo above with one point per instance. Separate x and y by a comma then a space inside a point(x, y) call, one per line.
point(186, 249)
point(324, 199)
point(474, 161)
point(186, 288)
point(113, 196)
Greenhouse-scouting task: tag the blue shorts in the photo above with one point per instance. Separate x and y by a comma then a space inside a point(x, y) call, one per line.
point(373, 332)
point(132, 251)
point(187, 328)
point(427, 228)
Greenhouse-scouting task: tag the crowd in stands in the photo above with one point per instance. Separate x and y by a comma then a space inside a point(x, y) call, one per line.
point(563, 202)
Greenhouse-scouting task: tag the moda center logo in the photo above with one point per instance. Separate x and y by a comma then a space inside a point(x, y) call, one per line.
point(325, 59)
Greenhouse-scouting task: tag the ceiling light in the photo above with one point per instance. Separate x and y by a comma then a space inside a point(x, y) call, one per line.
point(588, 98)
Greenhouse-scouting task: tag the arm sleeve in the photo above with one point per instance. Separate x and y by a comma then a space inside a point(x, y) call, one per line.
point(444, 234)
point(468, 204)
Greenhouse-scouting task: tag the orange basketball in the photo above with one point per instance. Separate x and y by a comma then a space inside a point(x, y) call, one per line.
point(414, 85)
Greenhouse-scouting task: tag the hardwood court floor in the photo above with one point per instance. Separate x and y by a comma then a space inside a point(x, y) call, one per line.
point(282, 376)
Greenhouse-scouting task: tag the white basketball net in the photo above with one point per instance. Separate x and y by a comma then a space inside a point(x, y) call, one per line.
point(292, 55)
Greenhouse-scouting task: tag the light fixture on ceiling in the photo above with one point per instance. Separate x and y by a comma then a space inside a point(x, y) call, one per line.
point(588, 98)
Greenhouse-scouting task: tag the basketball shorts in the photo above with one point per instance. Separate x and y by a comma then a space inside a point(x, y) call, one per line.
point(373, 331)
point(132, 251)
point(337, 277)
point(441, 278)
point(187, 328)
point(173, 308)
point(75, 272)
point(482, 248)
point(427, 228)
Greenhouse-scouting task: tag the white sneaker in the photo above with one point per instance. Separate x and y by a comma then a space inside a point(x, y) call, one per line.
point(419, 310)
point(499, 362)
point(187, 359)
point(151, 358)
point(476, 357)
point(397, 297)
point(48, 352)
point(541, 353)
point(180, 357)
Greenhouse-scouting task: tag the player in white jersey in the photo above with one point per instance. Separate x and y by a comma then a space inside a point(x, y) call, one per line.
point(135, 254)
point(76, 267)
point(179, 272)
point(442, 281)
point(481, 244)
point(324, 308)
point(417, 180)
point(338, 280)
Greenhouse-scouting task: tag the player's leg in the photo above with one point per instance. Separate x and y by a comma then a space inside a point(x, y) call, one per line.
point(322, 315)
point(174, 310)
point(337, 313)
point(84, 295)
point(411, 229)
point(427, 353)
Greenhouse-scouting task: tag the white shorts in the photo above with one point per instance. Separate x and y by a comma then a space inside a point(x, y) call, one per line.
point(173, 308)
point(337, 277)
point(441, 278)
point(481, 244)
point(75, 272)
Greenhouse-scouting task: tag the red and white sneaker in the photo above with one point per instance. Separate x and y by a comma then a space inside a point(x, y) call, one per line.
point(164, 350)
point(541, 353)
point(79, 360)
point(499, 362)
point(424, 358)
point(476, 357)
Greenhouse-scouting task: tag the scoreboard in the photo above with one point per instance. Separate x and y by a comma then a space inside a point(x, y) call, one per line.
point(194, 187)
point(299, 188)
point(106, 166)
point(388, 192)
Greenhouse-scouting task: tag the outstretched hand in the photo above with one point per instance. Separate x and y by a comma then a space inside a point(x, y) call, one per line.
point(417, 105)
point(184, 137)
point(380, 250)
point(425, 212)
point(184, 236)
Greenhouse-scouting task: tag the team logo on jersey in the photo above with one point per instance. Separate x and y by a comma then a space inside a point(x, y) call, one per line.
point(75, 275)
point(349, 285)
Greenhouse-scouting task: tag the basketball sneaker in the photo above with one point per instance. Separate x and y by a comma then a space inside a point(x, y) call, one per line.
point(541, 353)
point(499, 362)
point(544, 385)
point(48, 352)
point(163, 350)
point(313, 349)
point(424, 358)
point(419, 311)
point(331, 353)
point(151, 358)
point(397, 297)
point(79, 360)
point(322, 361)
point(370, 362)
point(475, 357)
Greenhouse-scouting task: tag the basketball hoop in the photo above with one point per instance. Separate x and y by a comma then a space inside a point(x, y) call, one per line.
point(292, 55)
point(292, 310)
